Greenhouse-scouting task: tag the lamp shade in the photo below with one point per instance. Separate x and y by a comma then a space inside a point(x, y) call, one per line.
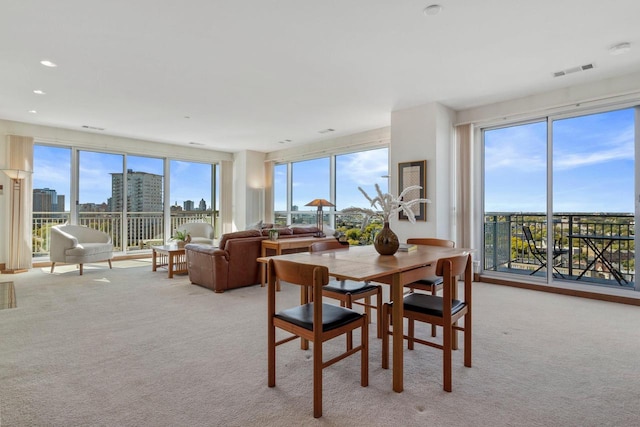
point(319, 203)
point(16, 173)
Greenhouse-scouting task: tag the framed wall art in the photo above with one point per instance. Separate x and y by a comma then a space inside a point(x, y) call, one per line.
point(413, 173)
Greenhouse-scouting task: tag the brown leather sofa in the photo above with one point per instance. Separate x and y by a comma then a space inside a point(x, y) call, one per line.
point(233, 264)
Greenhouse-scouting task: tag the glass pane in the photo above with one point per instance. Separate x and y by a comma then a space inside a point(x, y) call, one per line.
point(145, 207)
point(515, 173)
point(190, 192)
point(362, 169)
point(280, 187)
point(310, 180)
point(100, 199)
point(51, 193)
point(593, 197)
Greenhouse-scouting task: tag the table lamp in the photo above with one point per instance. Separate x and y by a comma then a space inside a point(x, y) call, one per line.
point(319, 222)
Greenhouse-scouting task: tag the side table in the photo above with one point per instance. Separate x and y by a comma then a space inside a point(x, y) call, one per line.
point(170, 256)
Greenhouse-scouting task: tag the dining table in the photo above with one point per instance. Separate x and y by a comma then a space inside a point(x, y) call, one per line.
point(363, 263)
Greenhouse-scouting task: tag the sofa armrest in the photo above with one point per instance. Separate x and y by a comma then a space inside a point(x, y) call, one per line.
point(207, 266)
point(60, 242)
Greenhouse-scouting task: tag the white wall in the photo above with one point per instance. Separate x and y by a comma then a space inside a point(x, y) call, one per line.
point(248, 188)
point(425, 133)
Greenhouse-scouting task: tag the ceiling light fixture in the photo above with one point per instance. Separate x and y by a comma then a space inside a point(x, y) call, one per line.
point(433, 9)
point(48, 63)
point(33, 112)
point(39, 92)
point(620, 48)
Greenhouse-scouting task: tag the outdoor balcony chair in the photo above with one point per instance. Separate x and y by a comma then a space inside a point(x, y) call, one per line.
point(540, 254)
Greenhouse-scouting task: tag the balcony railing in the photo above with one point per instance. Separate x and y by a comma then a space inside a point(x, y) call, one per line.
point(607, 259)
point(142, 229)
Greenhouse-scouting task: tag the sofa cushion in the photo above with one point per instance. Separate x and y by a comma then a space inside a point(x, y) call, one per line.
point(238, 235)
point(255, 226)
point(281, 231)
point(304, 229)
point(89, 249)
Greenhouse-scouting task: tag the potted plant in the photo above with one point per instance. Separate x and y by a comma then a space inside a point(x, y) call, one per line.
point(181, 237)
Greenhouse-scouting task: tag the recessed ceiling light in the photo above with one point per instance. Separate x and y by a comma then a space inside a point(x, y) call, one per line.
point(48, 63)
point(620, 48)
point(33, 112)
point(39, 92)
point(433, 9)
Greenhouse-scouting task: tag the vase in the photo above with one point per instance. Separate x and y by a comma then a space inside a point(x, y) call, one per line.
point(181, 244)
point(386, 241)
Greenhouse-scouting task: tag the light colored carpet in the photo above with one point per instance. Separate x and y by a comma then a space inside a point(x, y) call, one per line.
point(129, 347)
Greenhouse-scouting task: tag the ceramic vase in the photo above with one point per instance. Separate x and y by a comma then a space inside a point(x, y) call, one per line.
point(386, 241)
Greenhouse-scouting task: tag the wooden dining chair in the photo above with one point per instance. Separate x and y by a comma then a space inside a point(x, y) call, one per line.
point(442, 310)
point(313, 321)
point(350, 292)
point(431, 283)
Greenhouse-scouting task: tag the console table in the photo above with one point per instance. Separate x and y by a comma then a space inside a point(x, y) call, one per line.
point(288, 243)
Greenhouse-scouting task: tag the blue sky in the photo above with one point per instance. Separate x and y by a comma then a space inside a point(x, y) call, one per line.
point(593, 165)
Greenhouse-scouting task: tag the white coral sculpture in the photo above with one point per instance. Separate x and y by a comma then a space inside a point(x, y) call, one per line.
point(386, 205)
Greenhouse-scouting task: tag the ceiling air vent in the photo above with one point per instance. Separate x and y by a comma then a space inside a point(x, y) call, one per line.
point(573, 70)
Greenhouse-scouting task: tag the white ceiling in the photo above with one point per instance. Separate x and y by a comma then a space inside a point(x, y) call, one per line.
point(235, 75)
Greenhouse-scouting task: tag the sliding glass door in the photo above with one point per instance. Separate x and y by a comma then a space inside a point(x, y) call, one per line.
point(559, 200)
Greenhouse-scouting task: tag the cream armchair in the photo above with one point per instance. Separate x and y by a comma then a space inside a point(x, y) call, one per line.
point(76, 244)
point(200, 232)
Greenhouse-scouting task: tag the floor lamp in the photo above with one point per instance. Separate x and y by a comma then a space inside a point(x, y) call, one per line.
point(319, 220)
point(16, 221)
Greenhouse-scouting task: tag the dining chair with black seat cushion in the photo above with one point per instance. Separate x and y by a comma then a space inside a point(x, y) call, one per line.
point(431, 283)
point(314, 322)
point(541, 254)
point(443, 311)
point(350, 292)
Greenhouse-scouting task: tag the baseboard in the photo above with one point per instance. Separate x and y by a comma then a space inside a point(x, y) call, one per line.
point(602, 295)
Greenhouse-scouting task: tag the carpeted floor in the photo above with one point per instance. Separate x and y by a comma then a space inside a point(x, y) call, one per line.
point(129, 347)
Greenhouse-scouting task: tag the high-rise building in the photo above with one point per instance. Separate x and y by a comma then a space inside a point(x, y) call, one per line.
point(144, 192)
point(45, 200)
point(188, 205)
point(202, 206)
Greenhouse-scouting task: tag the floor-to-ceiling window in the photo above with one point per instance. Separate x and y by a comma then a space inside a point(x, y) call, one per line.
point(559, 199)
point(101, 194)
point(335, 178)
point(51, 193)
point(191, 192)
point(121, 194)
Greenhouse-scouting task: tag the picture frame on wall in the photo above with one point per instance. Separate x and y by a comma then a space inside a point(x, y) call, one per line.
point(413, 173)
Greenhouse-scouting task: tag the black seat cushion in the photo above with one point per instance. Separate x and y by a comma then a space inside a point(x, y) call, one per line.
point(333, 316)
point(349, 287)
point(429, 304)
point(428, 281)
